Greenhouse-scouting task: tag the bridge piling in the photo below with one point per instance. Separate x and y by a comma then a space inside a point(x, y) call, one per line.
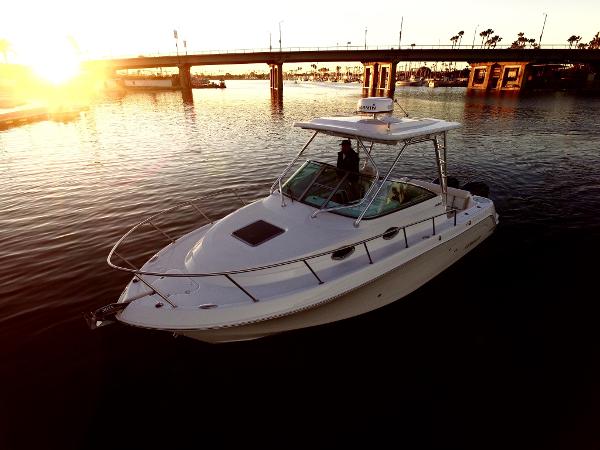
point(276, 80)
point(379, 79)
point(185, 80)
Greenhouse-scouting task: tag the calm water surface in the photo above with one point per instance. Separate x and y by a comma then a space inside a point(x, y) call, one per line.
point(500, 350)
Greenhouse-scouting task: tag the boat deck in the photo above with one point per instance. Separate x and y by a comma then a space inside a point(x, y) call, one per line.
point(294, 283)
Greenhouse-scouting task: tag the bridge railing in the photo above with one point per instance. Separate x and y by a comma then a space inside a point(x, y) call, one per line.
point(312, 49)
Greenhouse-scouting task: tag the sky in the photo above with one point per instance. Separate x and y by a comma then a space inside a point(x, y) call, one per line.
point(50, 30)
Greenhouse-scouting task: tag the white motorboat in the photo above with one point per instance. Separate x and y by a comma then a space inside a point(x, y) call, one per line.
point(324, 245)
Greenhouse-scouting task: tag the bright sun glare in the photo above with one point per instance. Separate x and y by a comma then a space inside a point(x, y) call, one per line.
point(56, 62)
point(56, 72)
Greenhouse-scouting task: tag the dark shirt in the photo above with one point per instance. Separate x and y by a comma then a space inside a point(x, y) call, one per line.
point(348, 162)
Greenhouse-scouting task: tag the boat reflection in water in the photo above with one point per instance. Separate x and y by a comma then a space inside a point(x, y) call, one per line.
point(324, 245)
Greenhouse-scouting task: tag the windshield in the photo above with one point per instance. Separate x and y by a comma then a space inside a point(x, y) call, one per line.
point(323, 186)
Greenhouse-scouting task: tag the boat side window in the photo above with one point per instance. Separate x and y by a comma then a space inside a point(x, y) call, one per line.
point(394, 196)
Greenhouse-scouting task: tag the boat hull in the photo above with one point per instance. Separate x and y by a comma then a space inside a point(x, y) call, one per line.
point(382, 291)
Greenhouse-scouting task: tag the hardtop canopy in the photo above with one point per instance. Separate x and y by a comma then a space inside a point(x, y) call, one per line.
point(382, 129)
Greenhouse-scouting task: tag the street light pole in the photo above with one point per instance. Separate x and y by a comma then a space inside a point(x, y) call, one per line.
point(474, 33)
point(365, 38)
point(270, 46)
point(176, 42)
point(400, 35)
point(542, 33)
point(280, 35)
point(176, 45)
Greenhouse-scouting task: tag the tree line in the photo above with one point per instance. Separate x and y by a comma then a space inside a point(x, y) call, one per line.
point(491, 40)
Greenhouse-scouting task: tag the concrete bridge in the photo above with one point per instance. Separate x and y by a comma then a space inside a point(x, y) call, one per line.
point(380, 64)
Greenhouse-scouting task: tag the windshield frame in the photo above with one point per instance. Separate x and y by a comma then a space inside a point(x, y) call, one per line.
point(440, 157)
point(387, 185)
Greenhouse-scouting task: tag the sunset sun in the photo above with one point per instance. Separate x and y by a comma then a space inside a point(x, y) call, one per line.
point(56, 61)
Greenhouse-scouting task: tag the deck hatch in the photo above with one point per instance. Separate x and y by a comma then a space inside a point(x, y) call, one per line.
point(257, 233)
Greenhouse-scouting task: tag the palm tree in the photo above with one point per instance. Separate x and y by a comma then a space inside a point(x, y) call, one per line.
point(324, 74)
point(493, 41)
point(573, 40)
point(595, 42)
point(454, 40)
point(485, 34)
point(460, 35)
point(521, 41)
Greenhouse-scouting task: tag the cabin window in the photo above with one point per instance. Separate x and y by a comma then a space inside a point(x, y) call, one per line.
point(342, 253)
point(391, 233)
point(394, 196)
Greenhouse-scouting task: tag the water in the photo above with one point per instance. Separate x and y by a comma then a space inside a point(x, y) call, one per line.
point(500, 350)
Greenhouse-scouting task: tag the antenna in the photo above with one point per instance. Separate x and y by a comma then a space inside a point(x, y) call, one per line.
point(396, 102)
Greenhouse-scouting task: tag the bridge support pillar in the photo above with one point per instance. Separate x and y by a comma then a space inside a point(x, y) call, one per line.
point(185, 81)
point(379, 79)
point(499, 76)
point(276, 77)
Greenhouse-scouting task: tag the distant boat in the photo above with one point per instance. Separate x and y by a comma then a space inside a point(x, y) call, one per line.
point(204, 83)
point(412, 81)
point(436, 82)
point(149, 82)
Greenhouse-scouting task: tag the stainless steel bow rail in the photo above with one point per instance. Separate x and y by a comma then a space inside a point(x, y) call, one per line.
point(108, 311)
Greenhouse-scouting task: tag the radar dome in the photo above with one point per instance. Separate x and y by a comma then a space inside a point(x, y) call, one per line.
point(374, 105)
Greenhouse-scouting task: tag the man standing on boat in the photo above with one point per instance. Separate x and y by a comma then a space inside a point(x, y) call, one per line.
point(347, 157)
point(348, 160)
